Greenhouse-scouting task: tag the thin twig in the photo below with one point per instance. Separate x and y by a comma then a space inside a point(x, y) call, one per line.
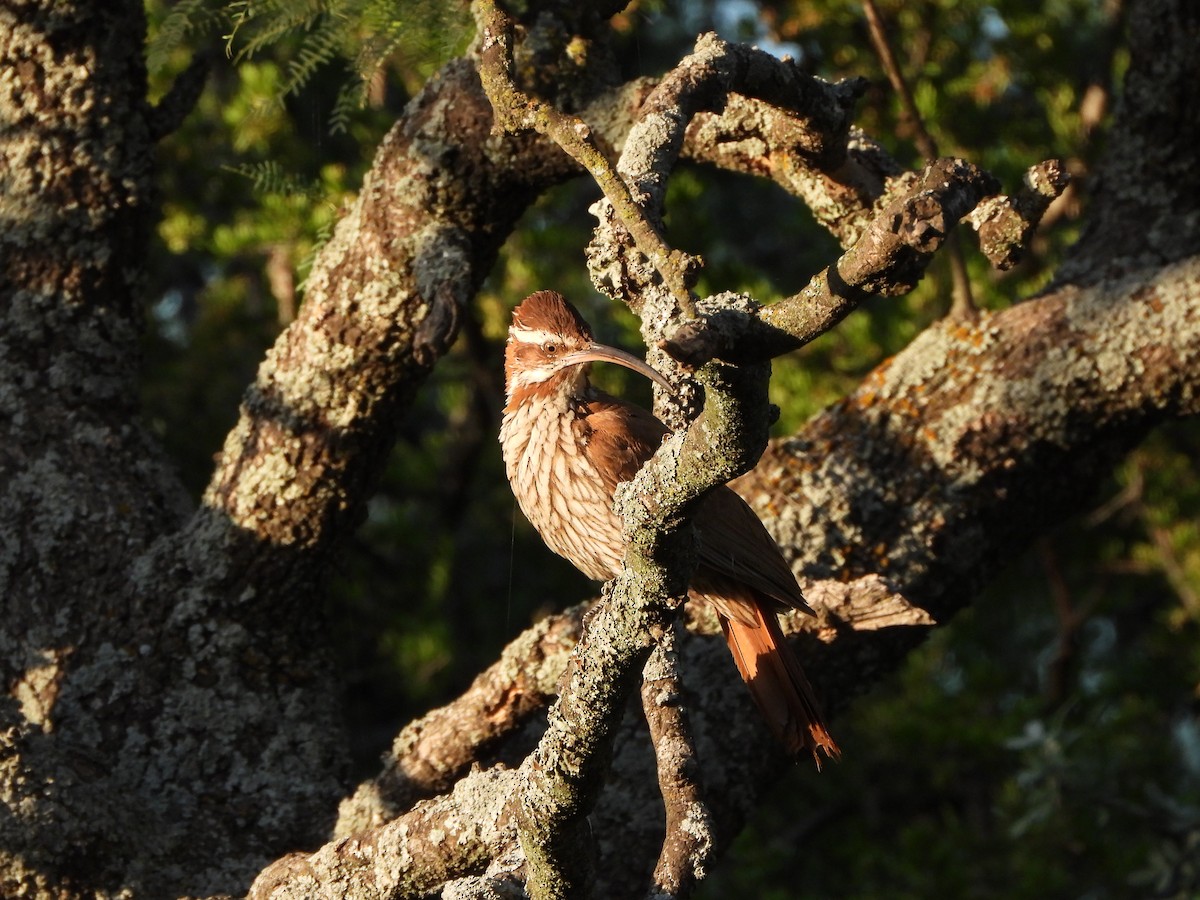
point(1172, 568)
point(908, 106)
point(963, 304)
point(1070, 620)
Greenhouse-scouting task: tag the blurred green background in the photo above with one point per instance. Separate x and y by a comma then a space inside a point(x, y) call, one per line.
point(1045, 744)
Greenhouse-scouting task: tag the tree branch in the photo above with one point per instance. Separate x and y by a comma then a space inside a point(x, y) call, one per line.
point(1006, 224)
point(889, 259)
point(433, 751)
point(689, 841)
point(182, 96)
point(440, 840)
point(517, 110)
point(754, 138)
point(703, 81)
point(562, 778)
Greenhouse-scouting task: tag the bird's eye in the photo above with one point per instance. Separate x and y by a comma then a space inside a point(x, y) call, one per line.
point(550, 347)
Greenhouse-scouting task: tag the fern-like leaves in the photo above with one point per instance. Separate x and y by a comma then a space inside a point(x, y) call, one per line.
point(186, 19)
point(365, 34)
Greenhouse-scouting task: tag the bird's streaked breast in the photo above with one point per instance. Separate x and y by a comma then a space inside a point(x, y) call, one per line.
point(559, 489)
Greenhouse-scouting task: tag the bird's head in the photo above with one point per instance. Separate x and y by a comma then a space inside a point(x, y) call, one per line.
point(549, 344)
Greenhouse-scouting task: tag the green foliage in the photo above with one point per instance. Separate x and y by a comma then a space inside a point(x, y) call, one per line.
point(366, 35)
point(176, 29)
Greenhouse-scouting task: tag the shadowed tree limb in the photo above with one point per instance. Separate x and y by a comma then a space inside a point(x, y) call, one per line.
point(688, 842)
point(435, 750)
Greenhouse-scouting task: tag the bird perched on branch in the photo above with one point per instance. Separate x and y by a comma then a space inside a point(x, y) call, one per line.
point(567, 445)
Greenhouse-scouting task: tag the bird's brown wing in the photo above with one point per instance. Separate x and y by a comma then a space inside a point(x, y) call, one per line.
point(619, 438)
point(735, 544)
point(741, 574)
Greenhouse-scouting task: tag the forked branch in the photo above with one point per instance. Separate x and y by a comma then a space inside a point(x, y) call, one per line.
point(888, 260)
point(516, 109)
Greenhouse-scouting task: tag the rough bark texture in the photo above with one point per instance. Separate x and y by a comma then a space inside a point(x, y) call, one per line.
point(168, 722)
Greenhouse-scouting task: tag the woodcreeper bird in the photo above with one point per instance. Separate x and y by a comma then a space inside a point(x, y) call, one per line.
point(567, 445)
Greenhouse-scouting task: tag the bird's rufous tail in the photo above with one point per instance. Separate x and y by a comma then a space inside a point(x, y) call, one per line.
point(778, 683)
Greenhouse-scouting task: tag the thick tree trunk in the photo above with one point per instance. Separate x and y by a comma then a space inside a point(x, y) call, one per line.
point(167, 724)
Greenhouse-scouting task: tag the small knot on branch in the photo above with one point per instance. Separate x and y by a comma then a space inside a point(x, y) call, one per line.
point(691, 344)
point(1005, 224)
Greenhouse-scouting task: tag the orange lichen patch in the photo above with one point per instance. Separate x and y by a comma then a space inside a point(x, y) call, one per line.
point(906, 407)
point(865, 399)
point(972, 334)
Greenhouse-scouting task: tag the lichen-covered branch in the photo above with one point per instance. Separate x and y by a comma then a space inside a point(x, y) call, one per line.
point(516, 109)
point(562, 778)
point(703, 81)
point(439, 841)
point(974, 419)
point(819, 118)
point(431, 752)
point(757, 139)
point(1148, 180)
point(382, 304)
point(688, 843)
point(888, 260)
point(1005, 224)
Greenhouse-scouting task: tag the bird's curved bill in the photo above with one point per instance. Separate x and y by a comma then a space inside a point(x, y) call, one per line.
point(604, 353)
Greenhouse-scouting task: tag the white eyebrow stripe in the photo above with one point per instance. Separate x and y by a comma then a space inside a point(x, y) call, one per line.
point(529, 377)
point(531, 335)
